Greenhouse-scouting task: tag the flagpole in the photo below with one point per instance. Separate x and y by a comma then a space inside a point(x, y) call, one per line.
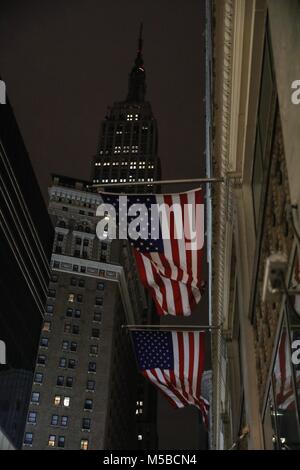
point(157, 182)
point(172, 327)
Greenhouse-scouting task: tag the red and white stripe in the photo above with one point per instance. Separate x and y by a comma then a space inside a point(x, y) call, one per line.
point(174, 276)
point(182, 385)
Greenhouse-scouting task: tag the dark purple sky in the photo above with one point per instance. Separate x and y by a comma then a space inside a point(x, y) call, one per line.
point(65, 61)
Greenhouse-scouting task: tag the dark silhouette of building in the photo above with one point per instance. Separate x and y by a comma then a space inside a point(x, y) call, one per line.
point(26, 237)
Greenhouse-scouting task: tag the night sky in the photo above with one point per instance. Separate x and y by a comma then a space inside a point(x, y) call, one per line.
point(65, 61)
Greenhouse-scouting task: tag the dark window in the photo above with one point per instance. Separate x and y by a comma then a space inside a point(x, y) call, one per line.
point(69, 382)
point(86, 423)
point(79, 298)
point(97, 317)
point(38, 378)
point(64, 421)
point(81, 212)
point(49, 308)
point(90, 385)
point(69, 312)
point(44, 342)
point(62, 362)
point(35, 397)
point(71, 363)
point(94, 349)
point(95, 333)
point(54, 420)
point(92, 366)
point(77, 253)
point(81, 283)
point(78, 241)
point(60, 237)
point(88, 404)
point(54, 278)
point(58, 250)
point(32, 417)
point(100, 285)
point(28, 438)
point(85, 242)
point(77, 313)
point(75, 329)
point(52, 293)
point(73, 281)
point(41, 359)
point(99, 301)
point(73, 346)
point(60, 380)
point(61, 441)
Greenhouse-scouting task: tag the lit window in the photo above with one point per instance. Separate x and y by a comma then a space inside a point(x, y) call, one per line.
point(97, 317)
point(51, 440)
point(73, 347)
point(71, 364)
point(140, 437)
point(57, 400)
point(65, 345)
point(84, 444)
point(71, 298)
point(49, 308)
point(47, 326)
point(67, 401)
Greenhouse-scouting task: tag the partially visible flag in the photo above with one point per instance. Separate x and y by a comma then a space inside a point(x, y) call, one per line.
point(174, 363)
point(170, 267)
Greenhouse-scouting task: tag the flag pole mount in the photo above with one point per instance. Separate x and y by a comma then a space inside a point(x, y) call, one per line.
point(172, 327)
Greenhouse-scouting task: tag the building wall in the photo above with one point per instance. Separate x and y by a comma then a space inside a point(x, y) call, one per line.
point(254, 140)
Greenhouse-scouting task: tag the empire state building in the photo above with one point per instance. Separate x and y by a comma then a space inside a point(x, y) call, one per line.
point(127, 150)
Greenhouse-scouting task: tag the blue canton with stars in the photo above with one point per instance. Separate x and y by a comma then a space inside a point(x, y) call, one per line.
point(154, 349)
point(145, 244)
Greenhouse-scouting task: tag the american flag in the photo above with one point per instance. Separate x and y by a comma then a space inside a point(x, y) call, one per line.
point(174, 363)
point(170, 267)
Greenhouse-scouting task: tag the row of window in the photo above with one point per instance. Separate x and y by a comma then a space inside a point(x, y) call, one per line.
point(62, 400)
point(57, 420)
point(55, 441)
point(70, 312)
point(65, 381)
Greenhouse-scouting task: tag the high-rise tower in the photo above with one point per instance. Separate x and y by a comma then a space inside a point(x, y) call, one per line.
point(127, 149)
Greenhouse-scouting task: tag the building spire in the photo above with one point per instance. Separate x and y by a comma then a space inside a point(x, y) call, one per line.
point(137, 76)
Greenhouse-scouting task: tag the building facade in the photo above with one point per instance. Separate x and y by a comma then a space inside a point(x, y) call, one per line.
point(255, 147)
point(26, 239)
point(87, 393)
